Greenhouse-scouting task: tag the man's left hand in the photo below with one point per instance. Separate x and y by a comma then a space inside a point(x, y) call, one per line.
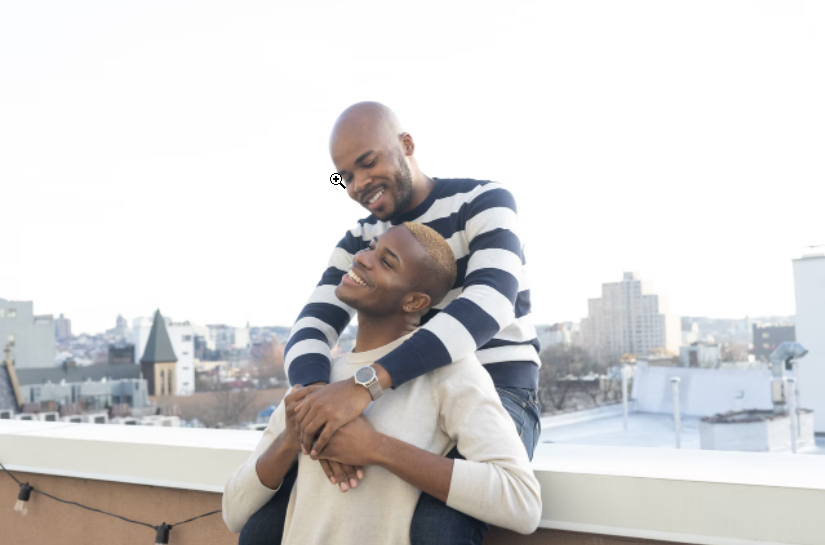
point(326, 410)
point(354, 444)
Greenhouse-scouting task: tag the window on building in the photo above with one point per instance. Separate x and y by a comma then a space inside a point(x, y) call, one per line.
point(12, 313)
point(187, 338)
point(766, 346)
point(765, 335)
point(2, 313)
point(185, 353)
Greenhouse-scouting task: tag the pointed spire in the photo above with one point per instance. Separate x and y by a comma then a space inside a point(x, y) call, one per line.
point(159, 346)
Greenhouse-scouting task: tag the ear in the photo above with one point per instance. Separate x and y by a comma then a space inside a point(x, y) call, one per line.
point(416, 302)
point(407, 143)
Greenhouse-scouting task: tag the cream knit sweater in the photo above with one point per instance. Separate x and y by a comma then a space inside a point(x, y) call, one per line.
point(454, 405)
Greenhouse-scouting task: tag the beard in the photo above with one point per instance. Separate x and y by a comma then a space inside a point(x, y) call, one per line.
point(403, 191)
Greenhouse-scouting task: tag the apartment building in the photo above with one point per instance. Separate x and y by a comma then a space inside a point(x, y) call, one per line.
point(629, 319)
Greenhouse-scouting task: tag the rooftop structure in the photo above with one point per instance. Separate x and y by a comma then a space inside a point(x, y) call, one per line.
point(10, 397)
point(700, 354)
point(97, 395)
point(72, 373)
point(809, 287)
point(33, 336)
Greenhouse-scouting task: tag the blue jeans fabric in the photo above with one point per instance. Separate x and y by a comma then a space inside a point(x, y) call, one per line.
point(266, 527)
point(433, 522)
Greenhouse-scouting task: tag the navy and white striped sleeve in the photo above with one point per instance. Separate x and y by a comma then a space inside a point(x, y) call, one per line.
point(308, 351)
point(487, 302)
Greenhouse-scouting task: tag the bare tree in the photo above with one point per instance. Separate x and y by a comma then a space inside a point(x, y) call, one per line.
point(269, 360)
point(558, 364)
point(229, 408)
point(734, 351)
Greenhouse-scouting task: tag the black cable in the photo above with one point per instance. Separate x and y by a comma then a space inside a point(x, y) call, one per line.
point(104, 512)
point(195, 518)
point(93, 509)
point(9, 472)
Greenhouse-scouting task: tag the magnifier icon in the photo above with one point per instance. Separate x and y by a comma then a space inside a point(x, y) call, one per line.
point(336, 179)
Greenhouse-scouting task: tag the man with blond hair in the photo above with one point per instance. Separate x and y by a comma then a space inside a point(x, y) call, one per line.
point(402, 438)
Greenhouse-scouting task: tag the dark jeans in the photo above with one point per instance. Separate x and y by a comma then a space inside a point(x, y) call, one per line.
point(433, 522)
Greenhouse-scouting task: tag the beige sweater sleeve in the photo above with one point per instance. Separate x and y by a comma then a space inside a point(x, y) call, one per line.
point(244, 493)
point(495, 483)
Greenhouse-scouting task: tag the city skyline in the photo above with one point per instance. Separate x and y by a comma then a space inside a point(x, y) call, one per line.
point(173, 155)
point(105, 330)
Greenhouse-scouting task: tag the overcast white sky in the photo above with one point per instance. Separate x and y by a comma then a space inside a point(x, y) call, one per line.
point(173, 155)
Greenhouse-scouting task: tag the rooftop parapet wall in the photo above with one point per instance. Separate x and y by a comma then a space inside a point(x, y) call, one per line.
point(691, 497)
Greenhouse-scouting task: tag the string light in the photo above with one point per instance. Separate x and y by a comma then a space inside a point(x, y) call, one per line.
point(162, 537)
point(21, 508)
point(22, 505)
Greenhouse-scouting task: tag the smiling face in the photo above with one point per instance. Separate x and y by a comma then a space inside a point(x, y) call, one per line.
point(370, 153)
point(382, 277)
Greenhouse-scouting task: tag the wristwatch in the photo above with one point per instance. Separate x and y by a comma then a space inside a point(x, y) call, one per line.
point(367, 378)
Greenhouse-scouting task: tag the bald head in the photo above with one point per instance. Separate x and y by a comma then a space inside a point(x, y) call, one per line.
point(366, 121)
point(374, 156)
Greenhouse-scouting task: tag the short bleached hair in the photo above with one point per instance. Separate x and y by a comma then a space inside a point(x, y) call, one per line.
point(439, 266)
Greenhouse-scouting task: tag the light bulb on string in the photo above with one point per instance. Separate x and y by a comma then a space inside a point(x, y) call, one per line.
point(22, 505)
point(162, 536)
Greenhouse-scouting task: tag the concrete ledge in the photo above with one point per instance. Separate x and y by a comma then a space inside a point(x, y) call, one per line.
point(614, 409)
point(697, 497)
point(184, 458)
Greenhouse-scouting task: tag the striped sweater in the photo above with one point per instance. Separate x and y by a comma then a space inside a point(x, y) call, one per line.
point(486, 312)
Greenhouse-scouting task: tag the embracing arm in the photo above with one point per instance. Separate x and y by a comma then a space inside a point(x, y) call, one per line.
point(309, 349)
point(260, 477)
point(487, 303)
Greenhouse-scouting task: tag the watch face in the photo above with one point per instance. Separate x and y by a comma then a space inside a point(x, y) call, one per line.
point(364, 374)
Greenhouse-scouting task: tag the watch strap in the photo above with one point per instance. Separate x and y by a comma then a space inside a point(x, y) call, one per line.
point(375, 389)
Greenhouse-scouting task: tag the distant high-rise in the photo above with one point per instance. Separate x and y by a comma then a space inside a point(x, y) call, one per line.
point(33, 336)
point(629, 320)
point(121, 329)
point(62, 328)
point(766, 338)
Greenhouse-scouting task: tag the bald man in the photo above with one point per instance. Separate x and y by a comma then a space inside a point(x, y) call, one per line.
point(487, 312)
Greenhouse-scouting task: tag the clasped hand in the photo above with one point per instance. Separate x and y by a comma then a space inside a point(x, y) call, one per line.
point(325, 419)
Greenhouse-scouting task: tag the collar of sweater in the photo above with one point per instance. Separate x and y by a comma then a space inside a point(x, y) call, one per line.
point(360, 359)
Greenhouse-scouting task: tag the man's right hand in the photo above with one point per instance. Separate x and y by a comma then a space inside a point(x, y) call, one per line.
point(345, 476)
point(292, 432)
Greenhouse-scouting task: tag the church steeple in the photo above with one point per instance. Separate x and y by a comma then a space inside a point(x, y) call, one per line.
point(159, 361)
point(159, 346)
